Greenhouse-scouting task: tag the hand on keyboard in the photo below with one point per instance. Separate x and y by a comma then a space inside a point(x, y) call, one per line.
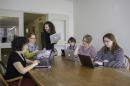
point(36, 62)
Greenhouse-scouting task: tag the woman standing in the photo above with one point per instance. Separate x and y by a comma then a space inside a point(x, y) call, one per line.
point(48, 29)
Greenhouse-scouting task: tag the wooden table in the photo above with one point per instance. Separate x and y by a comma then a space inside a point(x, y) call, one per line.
point(67, 73)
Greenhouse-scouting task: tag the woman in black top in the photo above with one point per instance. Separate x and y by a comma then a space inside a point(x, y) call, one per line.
point(48, 29)
point(16, 65)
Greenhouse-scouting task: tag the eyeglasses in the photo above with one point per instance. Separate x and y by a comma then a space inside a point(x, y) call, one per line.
point(84, 41)
point(106, 41)
point(32, 38)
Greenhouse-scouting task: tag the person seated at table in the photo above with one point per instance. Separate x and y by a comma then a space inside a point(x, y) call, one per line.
point(72, 46)
point(31, 49)
point(111, 54)
point(16, 65)
point(87, 48)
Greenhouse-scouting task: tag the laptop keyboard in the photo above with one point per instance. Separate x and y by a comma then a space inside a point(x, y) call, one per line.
point(44, 64)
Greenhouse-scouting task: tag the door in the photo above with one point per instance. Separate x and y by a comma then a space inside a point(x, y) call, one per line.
point(61, 26)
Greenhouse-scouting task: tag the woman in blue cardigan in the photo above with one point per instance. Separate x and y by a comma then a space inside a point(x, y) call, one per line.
point(111, 54)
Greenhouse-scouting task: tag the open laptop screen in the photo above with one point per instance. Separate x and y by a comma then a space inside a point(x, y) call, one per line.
point(45, 58)
point(86, 61)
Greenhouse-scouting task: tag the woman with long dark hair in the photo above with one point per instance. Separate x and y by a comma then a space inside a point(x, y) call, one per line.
point(111, 54)
point(16, 65)
point(48, 29)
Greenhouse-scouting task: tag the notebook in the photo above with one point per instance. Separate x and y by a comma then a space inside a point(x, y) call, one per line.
point(86, 61)
point(55, 38)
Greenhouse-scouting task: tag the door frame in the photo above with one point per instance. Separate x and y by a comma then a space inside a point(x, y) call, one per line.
point(61, 17)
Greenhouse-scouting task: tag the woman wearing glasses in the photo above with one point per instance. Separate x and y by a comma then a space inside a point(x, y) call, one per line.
point(111, 54)
point(31, 49)
point(87, 48)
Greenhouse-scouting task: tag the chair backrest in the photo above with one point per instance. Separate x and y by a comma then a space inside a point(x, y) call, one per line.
point(127, 58)
point(128, 61)
point(2, 68)
point(3, 80)
point(2, 73)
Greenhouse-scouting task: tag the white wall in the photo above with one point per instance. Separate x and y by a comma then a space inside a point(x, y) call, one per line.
point(98, 17)
point(41, 6)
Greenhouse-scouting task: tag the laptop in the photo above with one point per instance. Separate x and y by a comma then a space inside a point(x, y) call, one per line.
point(45, 58)
point(69, 55)
point(86, 61)
point(55, 38)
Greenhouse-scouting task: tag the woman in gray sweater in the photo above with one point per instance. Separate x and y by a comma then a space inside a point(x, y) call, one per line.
point(111, 54)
